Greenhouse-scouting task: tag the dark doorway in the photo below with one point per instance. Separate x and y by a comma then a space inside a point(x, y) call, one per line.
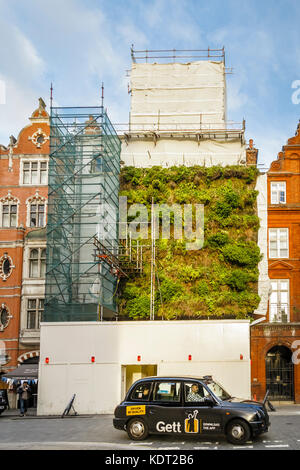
point(280, 374)
point(32, 402)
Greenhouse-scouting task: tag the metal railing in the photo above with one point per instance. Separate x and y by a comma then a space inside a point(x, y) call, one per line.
point(195, 127)
point(279, 313)
point(177, 54)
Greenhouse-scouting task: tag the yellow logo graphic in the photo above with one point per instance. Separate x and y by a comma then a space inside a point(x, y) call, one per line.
point(191, 424)
point(135, 410)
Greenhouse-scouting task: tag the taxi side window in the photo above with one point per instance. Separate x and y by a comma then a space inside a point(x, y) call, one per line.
point(141, 392)
point(167, 392)
point(194, 392)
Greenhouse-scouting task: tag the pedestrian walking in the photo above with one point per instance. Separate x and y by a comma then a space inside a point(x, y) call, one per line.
point(24, 392)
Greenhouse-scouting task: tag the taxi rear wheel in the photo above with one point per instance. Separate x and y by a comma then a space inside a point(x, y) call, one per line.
point(238, 432)
point(137, 429)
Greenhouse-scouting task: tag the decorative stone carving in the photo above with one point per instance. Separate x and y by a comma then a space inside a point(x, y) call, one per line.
point(9, 198)
point(36, 198)
point(275, 166)
point(39, 138)
point(28, 355)
point(12, 143)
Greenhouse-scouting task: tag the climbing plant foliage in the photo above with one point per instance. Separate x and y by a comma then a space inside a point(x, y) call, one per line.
point(218, 281)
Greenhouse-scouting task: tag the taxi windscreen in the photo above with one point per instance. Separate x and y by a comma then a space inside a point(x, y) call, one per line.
point(217, 390)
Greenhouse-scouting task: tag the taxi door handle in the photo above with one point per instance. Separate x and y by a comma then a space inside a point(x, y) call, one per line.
point(152, 412)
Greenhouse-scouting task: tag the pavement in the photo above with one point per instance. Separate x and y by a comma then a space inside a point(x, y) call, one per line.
point(96, 432)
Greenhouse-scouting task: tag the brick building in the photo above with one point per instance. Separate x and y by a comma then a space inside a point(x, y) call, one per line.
point(23, 208)
point(275, 342)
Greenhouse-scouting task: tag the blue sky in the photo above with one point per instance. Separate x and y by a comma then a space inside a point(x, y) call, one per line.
point(77, 44)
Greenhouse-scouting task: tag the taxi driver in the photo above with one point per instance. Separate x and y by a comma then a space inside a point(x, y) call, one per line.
point(193, 394)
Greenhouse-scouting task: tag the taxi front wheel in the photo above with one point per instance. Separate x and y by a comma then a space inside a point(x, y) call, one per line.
point(137, 429)
point(238, 432)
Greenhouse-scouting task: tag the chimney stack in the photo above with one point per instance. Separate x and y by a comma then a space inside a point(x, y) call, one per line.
point(251, 154)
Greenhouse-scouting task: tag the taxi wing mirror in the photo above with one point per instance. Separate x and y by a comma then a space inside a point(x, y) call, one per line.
point(209, 401)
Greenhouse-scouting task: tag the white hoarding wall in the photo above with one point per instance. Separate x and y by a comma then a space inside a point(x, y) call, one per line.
point(219, 348)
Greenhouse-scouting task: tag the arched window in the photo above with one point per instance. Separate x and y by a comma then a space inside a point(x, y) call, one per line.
point(9, 215)
point(9, 211)
point(37, 263)
point(34, 263)
point(36, 211)
point(280, 373)
point(37, 214)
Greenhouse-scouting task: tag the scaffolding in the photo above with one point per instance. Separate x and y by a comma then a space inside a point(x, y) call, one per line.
point(83, 205)
point(177, 55)
point(179, 94)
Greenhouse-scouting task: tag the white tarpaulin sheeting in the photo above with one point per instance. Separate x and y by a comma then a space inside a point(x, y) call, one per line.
point(169, 152)
point(171, 101)
point(178, 91)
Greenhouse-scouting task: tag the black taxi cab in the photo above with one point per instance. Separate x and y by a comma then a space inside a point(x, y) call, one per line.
point(188, 406)
point(3, 401)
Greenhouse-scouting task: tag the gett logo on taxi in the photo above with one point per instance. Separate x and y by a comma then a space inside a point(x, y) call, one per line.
point(161, 426)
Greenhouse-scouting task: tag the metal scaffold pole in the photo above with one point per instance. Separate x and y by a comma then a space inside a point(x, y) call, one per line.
point(153, 248)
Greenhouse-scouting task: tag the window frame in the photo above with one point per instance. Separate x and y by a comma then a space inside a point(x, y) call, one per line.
point(39, 172)
point(206, 393)
point(278, 248)
point(39, 261)
point(3, 259)
point(279, 303)
point(3, 307)
point(38, 312)
point(9, 201)
point(9, 214)
point(131, 398)
point(277, 190)
point(37, 203)
point(167, 402)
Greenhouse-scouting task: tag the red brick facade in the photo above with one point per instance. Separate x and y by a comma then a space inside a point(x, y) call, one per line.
point(282, 326)
point(23, 198)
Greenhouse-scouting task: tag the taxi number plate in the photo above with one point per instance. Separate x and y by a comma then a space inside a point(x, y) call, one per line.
point(135, 410)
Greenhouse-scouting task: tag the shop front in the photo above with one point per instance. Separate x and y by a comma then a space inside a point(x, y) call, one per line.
point(26, 372)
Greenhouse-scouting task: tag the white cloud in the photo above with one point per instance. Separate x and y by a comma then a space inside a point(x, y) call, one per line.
point(22, 71)
point(237, 99)
point(130, 34)
point(15, 112)
point(19, 57)
point(78, 44)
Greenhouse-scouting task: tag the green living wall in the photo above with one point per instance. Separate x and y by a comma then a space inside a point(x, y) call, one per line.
point(218, 281)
